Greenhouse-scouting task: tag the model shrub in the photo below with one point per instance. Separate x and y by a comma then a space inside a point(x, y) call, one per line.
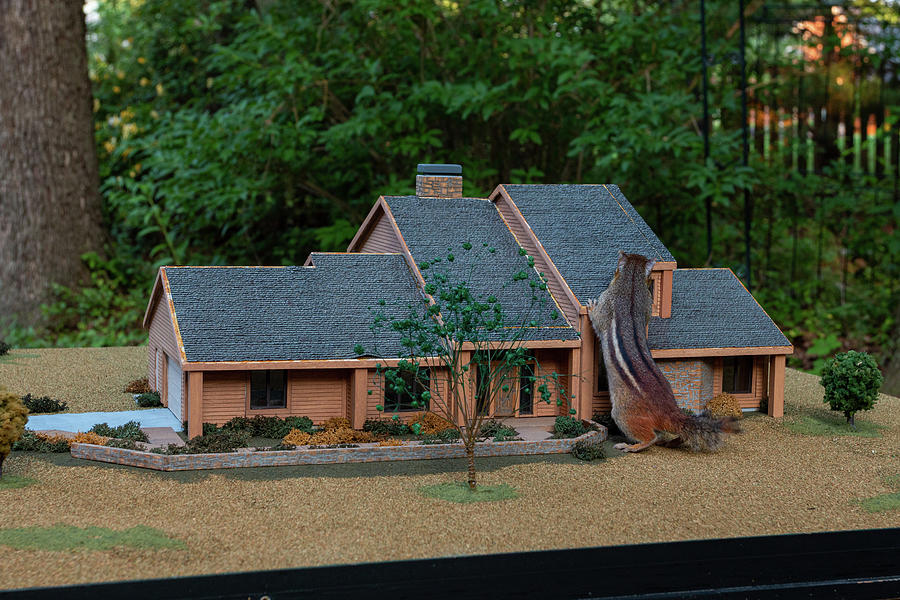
point(493, 428)
point(43, 404)
point(13, 416)
point(386, 427)
point(724, 405)
point(89, 437)
point(568, 427)
point(218, 441)
point(447, 436)
point(138, 386)
point(32, 441)
point(336, 423)
point(129, 431)
point(588, 450)
point(268, 427)
point(296, 437)
point(851, 381)
point(428, 423)
point(126, 444)
point(4, 348)
point(149, 399)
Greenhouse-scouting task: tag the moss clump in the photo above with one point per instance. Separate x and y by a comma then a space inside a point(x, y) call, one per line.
point(68, 537)
point(460, 493)
point(11, 482)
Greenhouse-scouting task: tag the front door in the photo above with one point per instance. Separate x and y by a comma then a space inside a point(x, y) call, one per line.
point(508, 395)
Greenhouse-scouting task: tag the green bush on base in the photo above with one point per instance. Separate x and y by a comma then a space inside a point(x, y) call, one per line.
point(386, 427)
point(43, 404)
point(851, 381)
point(586, 450)
point(148, 399)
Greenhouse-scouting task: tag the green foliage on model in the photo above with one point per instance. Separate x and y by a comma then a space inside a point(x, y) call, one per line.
point(851, 381)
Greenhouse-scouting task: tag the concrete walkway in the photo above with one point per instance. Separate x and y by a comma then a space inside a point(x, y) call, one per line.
point(151, 417)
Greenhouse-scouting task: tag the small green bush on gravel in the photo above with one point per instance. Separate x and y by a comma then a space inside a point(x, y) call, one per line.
point(148, 399)
point(851, 381)
point(588, 451)
point(129, 431)
point(43, 404)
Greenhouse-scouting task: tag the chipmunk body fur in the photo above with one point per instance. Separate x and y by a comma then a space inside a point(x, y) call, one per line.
point(643, 404)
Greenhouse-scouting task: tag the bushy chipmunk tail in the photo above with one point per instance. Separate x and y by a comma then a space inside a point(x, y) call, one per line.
point(703, 432)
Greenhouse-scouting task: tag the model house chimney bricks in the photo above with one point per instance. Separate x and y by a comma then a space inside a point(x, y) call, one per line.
point(439, 181)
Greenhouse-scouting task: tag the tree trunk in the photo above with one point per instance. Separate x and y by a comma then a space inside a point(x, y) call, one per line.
point(470, 457)
point(49, 202)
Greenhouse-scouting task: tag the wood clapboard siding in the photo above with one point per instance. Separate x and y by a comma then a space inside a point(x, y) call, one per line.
point(318, 394)
point(382, 237)
point(162, 336)
point(224, 396)
point(526, 240)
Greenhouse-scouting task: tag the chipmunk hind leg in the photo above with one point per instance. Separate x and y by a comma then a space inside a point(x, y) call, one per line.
point(641, 430)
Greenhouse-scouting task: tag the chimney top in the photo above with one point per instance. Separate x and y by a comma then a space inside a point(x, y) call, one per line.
point(437, 169)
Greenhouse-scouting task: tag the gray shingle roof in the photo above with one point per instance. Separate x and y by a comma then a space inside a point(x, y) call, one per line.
point(289, 313)
point(432, 225)
point(583, 227)
point(711, 309)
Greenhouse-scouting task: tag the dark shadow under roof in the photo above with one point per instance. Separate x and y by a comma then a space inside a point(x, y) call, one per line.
point(583, 227)
point(289, 313)
point(712, 309)
point(432, 226)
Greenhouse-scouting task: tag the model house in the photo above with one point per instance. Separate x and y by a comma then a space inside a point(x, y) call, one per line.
point(242, 341)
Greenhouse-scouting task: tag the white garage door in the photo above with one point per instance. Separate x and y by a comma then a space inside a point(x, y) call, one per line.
point(173, 379)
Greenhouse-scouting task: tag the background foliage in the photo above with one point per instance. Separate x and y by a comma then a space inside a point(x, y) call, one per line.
point(252, 133)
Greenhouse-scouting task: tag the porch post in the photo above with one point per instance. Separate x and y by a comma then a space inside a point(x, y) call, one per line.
point(359, 397)
point(195, 404)
point(776, 385)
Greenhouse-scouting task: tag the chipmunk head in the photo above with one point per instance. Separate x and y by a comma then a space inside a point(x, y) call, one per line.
point(634, 265)
point(631, 283)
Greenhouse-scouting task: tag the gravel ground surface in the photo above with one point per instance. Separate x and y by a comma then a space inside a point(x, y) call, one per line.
point(767, 480)
point(88, 379)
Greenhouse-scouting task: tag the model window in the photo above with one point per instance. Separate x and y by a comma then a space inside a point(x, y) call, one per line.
point(267, 389)
point(526, 389)
point(737, 375)
point(602, 380)
point(402, 400)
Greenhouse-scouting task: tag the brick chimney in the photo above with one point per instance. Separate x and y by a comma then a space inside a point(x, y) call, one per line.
point(439, 181)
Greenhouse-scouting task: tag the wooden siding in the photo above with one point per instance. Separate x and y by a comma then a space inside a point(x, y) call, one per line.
point(319, 395)
point(161, 336)
point(526, 240)
point(382, 237)
point(224, 396)
point(759, 381)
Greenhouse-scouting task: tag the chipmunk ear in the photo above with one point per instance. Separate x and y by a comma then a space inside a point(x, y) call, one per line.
point(649, 266)
point(622, 260)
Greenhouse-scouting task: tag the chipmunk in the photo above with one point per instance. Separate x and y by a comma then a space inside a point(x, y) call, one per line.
point(642, 400)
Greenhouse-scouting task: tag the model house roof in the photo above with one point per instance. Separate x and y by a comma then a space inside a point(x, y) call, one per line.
point(582, 228)
point(712, 309)
point(289, 313)
point(432, 227)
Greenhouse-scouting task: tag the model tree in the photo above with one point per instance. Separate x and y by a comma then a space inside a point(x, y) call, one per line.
point(461, 351)
point(13, 416)
point(851, 382)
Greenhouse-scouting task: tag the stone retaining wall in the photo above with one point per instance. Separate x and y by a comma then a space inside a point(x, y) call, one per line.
point(281, 458)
